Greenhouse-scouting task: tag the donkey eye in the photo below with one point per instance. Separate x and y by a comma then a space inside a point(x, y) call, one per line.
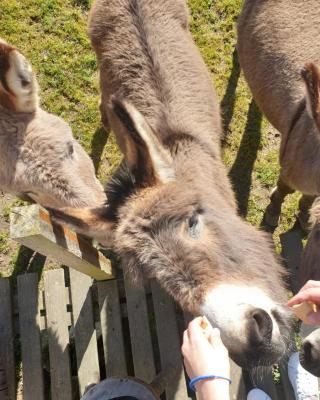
point(193, 220)
point(194, 226)
point(70, 149)
point(24, 82)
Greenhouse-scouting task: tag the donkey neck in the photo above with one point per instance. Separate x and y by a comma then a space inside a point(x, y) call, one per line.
point(198, 164)
point(14, 124)
point(192, 156)
point(4, 111)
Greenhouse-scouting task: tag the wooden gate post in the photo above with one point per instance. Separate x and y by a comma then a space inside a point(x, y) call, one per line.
point(32, 227)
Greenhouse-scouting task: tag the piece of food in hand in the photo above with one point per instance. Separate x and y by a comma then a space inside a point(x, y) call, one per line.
point(302, 310)
point(205, 326)
point(204, 323)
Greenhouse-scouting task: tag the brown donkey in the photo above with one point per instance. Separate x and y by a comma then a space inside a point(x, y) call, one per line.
point(39, 158)
point(276, 38)
point(280, 57)
point(171, 213)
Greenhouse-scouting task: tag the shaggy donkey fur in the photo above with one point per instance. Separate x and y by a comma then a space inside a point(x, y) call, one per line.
point(280, 57)
point(171, 213)
point(39, 158)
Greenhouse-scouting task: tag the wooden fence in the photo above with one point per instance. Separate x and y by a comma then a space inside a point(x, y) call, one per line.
point(65, 346)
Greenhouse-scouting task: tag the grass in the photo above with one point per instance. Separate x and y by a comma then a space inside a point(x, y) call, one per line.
point(4, 246)
point(52, 34)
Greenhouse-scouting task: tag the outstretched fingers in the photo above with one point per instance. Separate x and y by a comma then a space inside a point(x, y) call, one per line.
point(309, 292)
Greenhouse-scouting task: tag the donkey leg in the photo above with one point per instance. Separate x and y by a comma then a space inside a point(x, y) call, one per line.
point(273, 211)
point(104, 114)
point(303, 216)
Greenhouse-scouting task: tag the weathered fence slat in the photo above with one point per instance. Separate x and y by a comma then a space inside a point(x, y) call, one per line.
point(7, 362)
point(32, 227)
point(58, 335)
point(41, 307)
point(141, 343)
point(111, 328)
point(84, 330)
point(169, 343)
point(33, 387)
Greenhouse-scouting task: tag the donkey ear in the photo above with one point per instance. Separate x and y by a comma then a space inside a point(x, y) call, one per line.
point(18, 82)
point(311, 75)
point(97, 223)
point(146, 157)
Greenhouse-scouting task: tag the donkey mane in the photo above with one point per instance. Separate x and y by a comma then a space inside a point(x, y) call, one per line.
point(119, 188)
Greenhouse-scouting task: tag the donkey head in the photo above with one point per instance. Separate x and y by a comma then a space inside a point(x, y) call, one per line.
point(168, 219)
point(49, 166)
point(18, 85)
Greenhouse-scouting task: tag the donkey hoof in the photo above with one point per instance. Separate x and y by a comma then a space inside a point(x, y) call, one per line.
point(271, 217)
point(303, 220)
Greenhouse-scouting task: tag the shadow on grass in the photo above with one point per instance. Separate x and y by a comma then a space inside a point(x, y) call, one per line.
point(98, 142)
point(291, 253)
point(27, 261)
point(241, 171)
point(309, 267)
point(294, 256)
point(81, 3)
point(229, 98)
point(302, 263)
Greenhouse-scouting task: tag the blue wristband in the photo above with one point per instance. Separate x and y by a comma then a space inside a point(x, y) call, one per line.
point(204, 378)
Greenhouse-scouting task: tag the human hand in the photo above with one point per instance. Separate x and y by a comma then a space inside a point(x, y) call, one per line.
point(310, 292)
point(203, 351)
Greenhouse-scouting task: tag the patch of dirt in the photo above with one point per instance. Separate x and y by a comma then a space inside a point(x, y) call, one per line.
point(5, 199)
point(274, 140)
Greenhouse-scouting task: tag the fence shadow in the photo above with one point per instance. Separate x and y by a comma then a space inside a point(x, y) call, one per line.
point(229, 98)
point(27, 261)
point(241, 171)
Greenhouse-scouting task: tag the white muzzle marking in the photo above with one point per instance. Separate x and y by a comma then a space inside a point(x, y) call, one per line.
point(227, 304)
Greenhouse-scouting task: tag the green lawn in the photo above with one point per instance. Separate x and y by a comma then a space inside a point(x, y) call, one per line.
point(52, 34)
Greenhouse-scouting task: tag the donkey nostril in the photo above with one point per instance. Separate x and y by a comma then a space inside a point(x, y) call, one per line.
point(309, 357)
point(260, 325)
point(260, 318)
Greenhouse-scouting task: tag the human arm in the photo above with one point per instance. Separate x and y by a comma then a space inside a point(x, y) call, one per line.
point(205, 354)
